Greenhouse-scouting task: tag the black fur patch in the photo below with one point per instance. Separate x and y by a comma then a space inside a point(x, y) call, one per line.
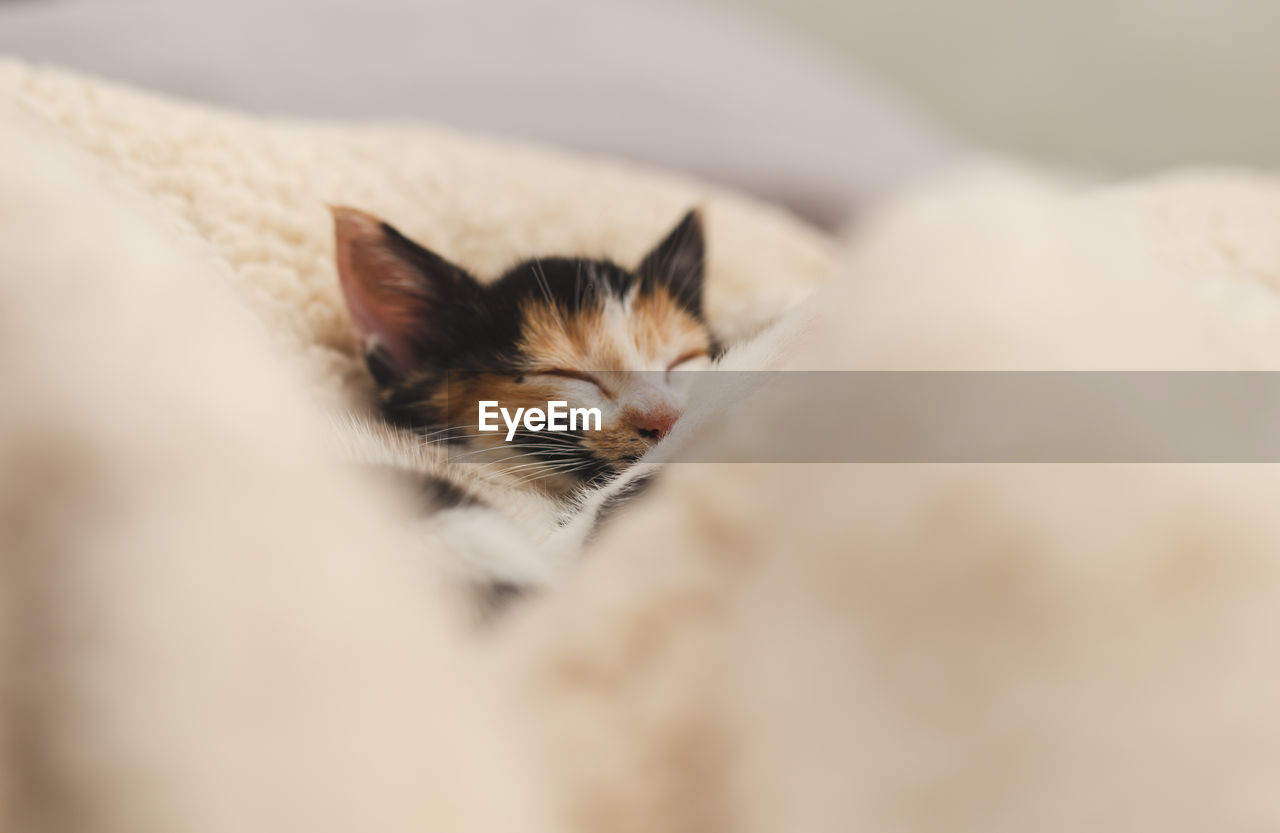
point(436, 493)
point(444, 494)
point(496, 596)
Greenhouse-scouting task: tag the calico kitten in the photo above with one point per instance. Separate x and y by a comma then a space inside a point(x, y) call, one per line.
point(437, 341)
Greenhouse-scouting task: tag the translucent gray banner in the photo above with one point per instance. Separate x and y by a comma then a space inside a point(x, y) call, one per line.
point(962, 417)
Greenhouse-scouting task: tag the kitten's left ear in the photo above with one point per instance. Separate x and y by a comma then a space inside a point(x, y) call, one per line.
point(678, 263)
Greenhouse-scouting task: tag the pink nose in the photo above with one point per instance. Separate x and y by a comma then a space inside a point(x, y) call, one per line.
point(655, 424)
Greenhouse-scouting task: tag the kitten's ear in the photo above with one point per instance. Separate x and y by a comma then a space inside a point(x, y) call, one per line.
point(402, 298)
point(678, 263)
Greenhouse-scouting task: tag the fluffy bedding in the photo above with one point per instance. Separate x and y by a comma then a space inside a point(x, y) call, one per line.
point(205, 627)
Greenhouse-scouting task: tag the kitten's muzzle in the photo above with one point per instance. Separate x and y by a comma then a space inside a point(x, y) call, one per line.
point(653, 424)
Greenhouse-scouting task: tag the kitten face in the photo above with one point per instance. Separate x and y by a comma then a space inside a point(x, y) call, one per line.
point(438, 342)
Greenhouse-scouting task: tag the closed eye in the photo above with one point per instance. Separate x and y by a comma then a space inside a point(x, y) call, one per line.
point(564, 373)
point(688, 357)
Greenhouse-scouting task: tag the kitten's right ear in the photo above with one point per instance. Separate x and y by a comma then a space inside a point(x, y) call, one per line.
point(401, 296)
point(678, 262)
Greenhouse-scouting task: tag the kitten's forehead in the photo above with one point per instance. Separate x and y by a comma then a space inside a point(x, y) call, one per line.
point(594, 315)
point(633, 331)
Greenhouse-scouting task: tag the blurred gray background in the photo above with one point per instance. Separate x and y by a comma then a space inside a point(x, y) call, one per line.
point(822, 105)
point(1117, 85)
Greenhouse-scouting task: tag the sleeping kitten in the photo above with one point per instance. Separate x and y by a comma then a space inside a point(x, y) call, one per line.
point(437, 342)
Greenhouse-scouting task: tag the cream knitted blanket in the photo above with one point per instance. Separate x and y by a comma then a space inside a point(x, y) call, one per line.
point(204, 628)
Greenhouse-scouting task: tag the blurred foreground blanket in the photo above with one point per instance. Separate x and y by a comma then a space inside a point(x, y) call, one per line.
point(204, 627)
